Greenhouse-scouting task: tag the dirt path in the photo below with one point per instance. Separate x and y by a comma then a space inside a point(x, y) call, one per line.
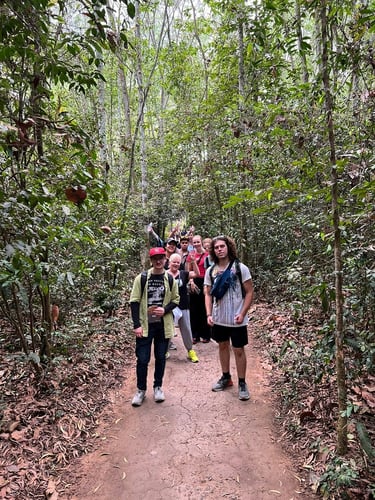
point(196, 445)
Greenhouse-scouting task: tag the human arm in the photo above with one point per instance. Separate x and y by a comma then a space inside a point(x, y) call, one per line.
point(135, 306)
point(208, 304)
point(174, 232)
point(137, 327)
point(194, 269)
point(153, 236)
point(249, 293)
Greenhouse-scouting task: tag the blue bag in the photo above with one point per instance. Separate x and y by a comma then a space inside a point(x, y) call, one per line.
point(222, 283)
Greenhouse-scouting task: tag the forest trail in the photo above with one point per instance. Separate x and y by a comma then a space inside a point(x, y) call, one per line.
point(196, 445)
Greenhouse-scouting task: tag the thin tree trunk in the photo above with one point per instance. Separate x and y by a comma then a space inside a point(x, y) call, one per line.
point(102, 127)
point(342, 438)
point(241, 64)
point(141, 105)
point(300, 41)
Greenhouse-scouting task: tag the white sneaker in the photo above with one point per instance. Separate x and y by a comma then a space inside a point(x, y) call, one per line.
point(138, 398)
point(172, 346)
point(159, 395)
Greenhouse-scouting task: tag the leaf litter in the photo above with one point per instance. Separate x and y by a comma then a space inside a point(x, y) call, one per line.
point(46, 424)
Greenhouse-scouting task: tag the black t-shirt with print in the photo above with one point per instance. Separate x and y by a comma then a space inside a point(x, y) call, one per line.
point(155, 295)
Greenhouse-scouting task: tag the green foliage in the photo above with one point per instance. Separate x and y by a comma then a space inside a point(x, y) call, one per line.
point(48, 234)
point(339, 475)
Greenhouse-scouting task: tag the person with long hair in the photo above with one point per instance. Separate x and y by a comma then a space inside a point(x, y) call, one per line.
point(199, 327)
point(228, 291)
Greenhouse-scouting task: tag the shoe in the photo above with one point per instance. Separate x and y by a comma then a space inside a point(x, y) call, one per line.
point(195, 341)
point(167, 355)
point(172, 346)
point(138, 398)
point(205, 341)
point(192, 355)
point(222, 384)
point(159, 395)
point(243, 391)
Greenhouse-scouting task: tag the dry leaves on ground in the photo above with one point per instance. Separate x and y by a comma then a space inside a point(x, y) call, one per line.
point(46, 423)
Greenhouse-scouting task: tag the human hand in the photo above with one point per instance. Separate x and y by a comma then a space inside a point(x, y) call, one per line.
point(138, 331)
point(158, 311)
point(238, 319)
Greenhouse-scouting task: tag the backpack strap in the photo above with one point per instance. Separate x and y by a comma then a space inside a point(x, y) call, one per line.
point(143, 281)
point(239, 274)
point(211, 268)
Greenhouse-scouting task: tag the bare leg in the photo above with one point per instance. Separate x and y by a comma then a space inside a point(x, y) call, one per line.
point(241, 362)
point(224, 355)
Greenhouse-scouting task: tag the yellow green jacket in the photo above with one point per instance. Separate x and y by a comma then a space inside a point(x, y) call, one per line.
point(171, 299)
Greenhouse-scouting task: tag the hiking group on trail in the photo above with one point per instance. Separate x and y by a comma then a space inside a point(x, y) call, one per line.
point(201, 287)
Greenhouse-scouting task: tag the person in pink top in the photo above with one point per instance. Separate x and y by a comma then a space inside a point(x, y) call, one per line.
point(199, 327)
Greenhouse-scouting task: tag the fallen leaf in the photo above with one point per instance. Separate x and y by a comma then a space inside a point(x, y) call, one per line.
point(19, 435)
point(13, 426)
point(13, 468)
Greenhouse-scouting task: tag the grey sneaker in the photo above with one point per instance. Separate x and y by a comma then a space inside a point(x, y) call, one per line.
point(138, 398)
point(172, 346)
point(243, 391)
point(222, 384)
point(159, 395)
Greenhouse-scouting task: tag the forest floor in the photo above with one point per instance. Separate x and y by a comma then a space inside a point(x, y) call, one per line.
point(197, 444)
point(74, 435)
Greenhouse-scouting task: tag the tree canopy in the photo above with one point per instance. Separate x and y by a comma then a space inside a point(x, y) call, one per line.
point(253, 119)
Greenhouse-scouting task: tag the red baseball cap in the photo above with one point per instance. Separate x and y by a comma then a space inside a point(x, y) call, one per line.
point(157, 251)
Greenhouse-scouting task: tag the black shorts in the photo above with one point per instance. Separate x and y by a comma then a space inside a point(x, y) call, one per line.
point(237, 335)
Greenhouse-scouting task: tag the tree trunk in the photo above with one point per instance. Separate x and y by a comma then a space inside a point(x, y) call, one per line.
point(301, 51)
point(102, 127)
point(342, 438)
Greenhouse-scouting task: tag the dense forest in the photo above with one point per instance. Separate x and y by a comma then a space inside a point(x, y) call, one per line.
point(252, 119)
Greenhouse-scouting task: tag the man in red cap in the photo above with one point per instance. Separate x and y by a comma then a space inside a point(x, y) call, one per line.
point(152, 300)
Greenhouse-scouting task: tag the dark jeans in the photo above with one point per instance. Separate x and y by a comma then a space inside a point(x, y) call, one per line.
point(143, 353)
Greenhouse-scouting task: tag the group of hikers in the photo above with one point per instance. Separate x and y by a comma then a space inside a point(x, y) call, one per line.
point(201, 287)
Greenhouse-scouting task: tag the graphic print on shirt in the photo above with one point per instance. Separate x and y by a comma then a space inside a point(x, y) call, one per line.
point(155, 295)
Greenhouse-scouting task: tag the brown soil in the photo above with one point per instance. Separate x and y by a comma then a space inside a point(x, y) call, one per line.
point(196, 445)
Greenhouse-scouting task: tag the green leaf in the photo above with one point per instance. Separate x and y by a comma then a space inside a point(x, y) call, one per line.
point(131, 10)
point(365, 440)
